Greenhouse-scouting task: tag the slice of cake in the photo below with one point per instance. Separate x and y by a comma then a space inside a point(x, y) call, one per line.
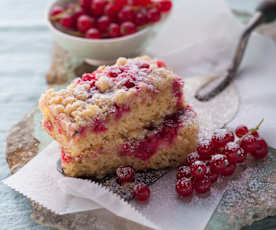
point(132, 113)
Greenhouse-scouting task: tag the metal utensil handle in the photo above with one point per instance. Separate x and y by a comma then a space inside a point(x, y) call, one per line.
point(266, 13)
point(268, 9)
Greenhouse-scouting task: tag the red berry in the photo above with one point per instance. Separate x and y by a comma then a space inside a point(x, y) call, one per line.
point(86, 5)
point(161, 64)
point(229, 170)
point(218, 163)
point(88, 77)
point(261, 150)
point(164, 5)
point(111, 10)
point(84, 23)
point(56, 10)
point(114, 30)
point(221, 137)
point(249, 143)
point(183, 171)
point(255, 134)
point(213, 177)
point(48, 125)
point(93, 33)
point(113, 72)
point(120, 3)
point(98, 7)
point(103, 23)
point(125, 174)
point(184, 187)
point(143, 65)
point(141, 192)
point(145, 2)
point(198, 169)
point(66, 158)
point(234, 153)
point(66, 21)
point(79, 12)
point(127, 14)
point(203, 185)
point(241, 130)
point(141, 19)
point(129, 84)
point(128, 28)
point(192, 157)
point(154, 15)
point(205, 149)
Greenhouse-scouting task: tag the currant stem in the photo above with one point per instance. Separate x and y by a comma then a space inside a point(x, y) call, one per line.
point(60, 15)
point(257, 127)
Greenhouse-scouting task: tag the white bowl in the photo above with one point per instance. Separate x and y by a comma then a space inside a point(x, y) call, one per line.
point(101, 51)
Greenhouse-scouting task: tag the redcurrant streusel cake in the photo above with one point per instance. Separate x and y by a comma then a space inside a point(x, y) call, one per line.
point(132, 113)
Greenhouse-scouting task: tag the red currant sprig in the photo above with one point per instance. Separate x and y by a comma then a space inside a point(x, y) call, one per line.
point(218, 156)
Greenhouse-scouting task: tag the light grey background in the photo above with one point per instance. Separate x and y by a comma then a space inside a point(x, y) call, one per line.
point(25, 45)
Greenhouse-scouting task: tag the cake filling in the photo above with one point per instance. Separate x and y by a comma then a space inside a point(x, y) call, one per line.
point(165, 133)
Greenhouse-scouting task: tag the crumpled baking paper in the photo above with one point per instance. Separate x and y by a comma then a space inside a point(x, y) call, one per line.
point(198, 39)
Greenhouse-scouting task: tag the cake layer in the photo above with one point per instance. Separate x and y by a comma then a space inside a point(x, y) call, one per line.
point(112, 104)
point(164, 145)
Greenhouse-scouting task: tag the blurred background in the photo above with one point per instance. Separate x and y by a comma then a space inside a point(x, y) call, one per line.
point(25, 48)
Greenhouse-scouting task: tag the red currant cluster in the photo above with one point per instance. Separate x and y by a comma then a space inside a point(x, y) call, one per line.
point(218, 156)
point(98, 19)
point(141, 192)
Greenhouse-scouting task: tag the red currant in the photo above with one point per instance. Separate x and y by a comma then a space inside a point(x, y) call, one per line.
point(66, 158)
point(141, 19)
point(261, 150)
point(111, 10)
point(198, 169)
point(192, 157)
point(86, 5)
point(88, 77)
point(120, 3)
point(127, 14)
point(229, 170)
point(98, 7)
point(128, 28)
point(114, 30)
point(129, 84)
point(234, 153)
point(161, 64)
point(164, 5)
point(93, 33)
point(78, 12)
point(66, 21)
point(221, 137)
point(213, 177)
point(249, 143)
point(103, 23)
point(125, 174)
point(154, 15)
point(184, 187)
point(218, 163)
point(203, 185)
point(255, 134)
point(183, 171)
point(56, 10)
point(141, 192)
point(143, 65)
point(84, 23)
point(241, 130)
point(205, 149)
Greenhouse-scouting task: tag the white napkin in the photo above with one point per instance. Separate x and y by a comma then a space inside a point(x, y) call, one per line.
point(198, 39)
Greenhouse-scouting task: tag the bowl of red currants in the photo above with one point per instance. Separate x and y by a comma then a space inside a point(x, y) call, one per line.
point(103, 30)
